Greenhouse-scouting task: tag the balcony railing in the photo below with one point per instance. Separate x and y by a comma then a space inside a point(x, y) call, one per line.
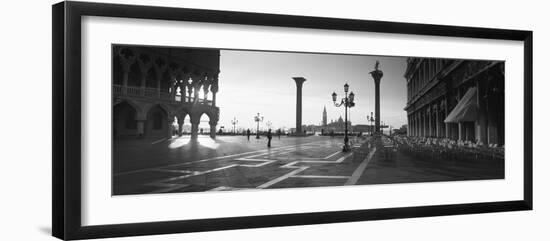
point(155, 94)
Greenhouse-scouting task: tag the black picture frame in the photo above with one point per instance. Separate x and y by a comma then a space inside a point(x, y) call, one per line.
point(66, 153)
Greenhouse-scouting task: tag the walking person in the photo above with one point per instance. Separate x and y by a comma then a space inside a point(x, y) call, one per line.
point(248, 134)
point(279, 133)
point(269, 138)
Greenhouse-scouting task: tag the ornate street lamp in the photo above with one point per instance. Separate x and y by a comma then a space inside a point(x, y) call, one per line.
point(234, 122)
point(368, 122)
point(372, 122)
point(258, 119)
point(347, 102)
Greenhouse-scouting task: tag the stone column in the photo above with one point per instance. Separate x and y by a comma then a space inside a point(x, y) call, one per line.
point(299, 82)
point(429, 122)
point(175, 85)
point(214, 98)
point(205, 89)
point(419, 123)
point(422, 123)
point(126, 61)
point(159, 77)
point(377, 76)
point(409, 125)
point(140, 128)
point(160, 67)
point(415, 124)
point(190, 91)
point(197, 83)
point(180, 126)
point(447, 125)
point(213, 129)
point(425, 123)
point(194, 128)
point(125, 80)
point(170, 120)
point(437, 123)
point(184, 85)
point(481, 122)
point(144, 65)
point(412, 124)
point(214, 90)
point(430, 126)
point(460, 131)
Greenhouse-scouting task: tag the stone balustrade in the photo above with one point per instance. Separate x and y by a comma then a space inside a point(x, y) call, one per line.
point(155, 94)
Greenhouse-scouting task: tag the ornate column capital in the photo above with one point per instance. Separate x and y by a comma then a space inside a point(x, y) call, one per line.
point(195, 118)
point(299, 81)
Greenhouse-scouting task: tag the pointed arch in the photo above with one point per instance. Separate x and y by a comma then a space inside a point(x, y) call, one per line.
point(132, 104)
point(157, 122)
point(125, 115)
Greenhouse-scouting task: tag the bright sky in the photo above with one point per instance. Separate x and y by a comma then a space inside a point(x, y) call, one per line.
point(254, 81)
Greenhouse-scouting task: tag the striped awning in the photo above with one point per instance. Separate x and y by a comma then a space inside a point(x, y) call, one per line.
point(466, 109)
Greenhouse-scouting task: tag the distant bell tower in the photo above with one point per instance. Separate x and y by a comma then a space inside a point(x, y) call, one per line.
point(325, 116)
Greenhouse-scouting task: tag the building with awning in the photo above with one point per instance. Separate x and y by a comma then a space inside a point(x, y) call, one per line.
point(465, 112)
point(466, 109)
point(456, 99)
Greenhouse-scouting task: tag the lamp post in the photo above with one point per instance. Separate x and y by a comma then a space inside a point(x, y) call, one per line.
point(258, 119)
point(372, 122)
point(234, 122)
point(368, 122)
point(347, 102)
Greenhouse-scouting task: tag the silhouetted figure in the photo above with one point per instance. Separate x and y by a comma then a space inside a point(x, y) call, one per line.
point(269, 138)
point(248, 134)
point(279, 133)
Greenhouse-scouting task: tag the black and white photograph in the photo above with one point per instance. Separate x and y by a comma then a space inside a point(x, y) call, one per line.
point(202, 119)
point(275, 120)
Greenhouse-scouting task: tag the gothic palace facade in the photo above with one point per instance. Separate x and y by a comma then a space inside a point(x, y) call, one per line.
point(152, 87)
